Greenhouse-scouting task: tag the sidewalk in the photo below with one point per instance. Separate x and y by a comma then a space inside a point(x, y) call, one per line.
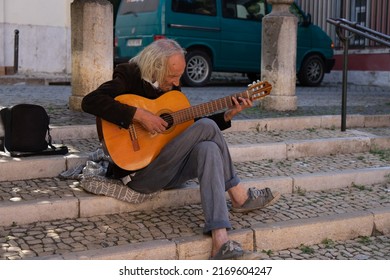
point(323, 100)
point(154, 234)
point(317, 214)
point(311, 101)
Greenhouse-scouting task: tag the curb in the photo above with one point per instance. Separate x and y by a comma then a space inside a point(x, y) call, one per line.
point(260, 237)
point(305, 122)
point(267, 124)
point(88, 205)
point(51, 166)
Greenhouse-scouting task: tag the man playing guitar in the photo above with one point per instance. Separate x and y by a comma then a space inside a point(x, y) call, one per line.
point(198, 150)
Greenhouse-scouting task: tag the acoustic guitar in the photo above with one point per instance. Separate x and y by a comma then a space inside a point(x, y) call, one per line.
point(134, 148)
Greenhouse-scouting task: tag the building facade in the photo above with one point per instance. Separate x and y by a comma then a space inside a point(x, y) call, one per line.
point(44, 36)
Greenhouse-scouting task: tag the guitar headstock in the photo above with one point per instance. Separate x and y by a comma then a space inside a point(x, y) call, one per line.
point(259, 89)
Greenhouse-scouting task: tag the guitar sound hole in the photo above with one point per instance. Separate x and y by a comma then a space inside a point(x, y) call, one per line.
point(168, 118)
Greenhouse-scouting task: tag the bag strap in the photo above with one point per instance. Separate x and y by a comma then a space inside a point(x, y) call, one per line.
point(62, 150)
point(6, 117)
point(49, 139)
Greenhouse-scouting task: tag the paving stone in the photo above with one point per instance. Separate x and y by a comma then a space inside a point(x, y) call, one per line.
point(46, 238)
point(148, 231)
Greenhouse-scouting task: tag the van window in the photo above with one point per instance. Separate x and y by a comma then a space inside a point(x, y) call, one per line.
point(200, 7)
point(243, 9)
point(137, 6)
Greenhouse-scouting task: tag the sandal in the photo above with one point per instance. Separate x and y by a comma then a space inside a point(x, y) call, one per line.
point(229, 251)
point(232, 250)
point(257, 199)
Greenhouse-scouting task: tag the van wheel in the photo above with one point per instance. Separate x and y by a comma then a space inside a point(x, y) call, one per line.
point(312, 71)
point(198, 70)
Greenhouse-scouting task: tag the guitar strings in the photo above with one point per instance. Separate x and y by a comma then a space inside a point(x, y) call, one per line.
point(184, 115)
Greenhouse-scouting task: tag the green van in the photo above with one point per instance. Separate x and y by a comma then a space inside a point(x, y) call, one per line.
point(219, 35)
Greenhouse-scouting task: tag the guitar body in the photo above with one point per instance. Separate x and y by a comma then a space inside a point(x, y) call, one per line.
point(135, 148)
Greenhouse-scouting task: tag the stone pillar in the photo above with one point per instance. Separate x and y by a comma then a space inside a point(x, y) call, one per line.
point(92, 47)
point(278, 58)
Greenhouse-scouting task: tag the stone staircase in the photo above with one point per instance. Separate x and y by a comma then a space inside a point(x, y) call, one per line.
point(334, 185)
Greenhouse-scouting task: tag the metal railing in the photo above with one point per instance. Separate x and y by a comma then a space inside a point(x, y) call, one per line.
point(345, 30)
point(373, 14)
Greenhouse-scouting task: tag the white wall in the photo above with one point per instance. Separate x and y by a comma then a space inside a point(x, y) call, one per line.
point(2, 33)
point(44, 35)
point(38, 12)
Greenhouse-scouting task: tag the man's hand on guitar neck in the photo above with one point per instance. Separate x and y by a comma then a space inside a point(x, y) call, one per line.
point(155, 124)
point(149, 121)
point(239, 105)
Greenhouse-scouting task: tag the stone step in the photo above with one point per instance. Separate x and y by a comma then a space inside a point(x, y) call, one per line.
point(286, 161)
point(47, 199)
point(299, 218)
point(267, 124)
point(254, 144)
point(334, 185)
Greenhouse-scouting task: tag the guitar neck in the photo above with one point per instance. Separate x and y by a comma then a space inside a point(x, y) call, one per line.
point(207, 108)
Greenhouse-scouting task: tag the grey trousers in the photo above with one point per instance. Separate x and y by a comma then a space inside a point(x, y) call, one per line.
point(199, 152)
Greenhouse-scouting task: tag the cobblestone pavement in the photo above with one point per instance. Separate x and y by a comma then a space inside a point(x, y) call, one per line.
point(253, 137)
point(323, 100)
point(361, 248)
point(73, 235)
point(55, 188)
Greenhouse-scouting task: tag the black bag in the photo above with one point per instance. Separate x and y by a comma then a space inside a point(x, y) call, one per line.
point(27, 132)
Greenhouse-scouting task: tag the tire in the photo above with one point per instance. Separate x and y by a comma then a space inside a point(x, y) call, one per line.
point(198, 70)
point(312, 71)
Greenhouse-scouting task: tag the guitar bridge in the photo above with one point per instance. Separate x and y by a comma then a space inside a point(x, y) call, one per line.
point(133, 138)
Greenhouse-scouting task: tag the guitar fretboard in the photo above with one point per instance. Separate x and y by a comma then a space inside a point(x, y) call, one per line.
point(207, 108)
